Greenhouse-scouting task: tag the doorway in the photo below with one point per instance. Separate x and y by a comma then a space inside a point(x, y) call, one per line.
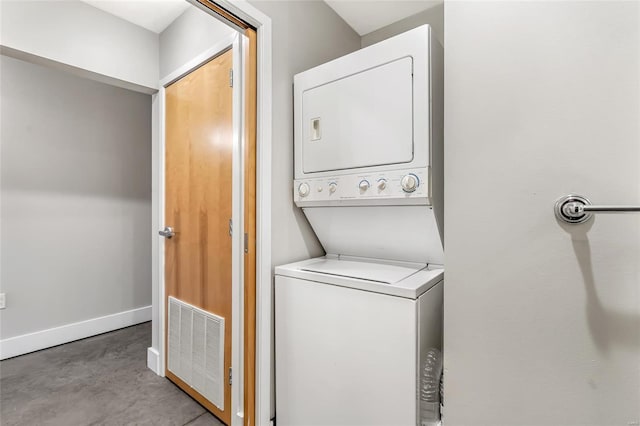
point(208, 198)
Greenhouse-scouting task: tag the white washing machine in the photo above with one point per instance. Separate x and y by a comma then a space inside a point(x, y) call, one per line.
point(352, 329)
point(350, 338)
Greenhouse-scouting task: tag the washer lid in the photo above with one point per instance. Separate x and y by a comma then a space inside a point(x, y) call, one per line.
point(408, 280)
point(376, 272)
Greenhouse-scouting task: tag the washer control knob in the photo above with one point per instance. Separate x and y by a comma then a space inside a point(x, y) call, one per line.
point(364, 185)
point(382, 184)
point(409, 182)
point(332, 187)
point(304, 189)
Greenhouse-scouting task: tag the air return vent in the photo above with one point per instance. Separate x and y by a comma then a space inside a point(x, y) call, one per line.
point(196, 349)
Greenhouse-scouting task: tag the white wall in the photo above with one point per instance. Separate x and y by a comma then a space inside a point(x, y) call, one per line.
point(542, 320)
point(191, 34)
point(433, 16)
point(76, 36)
point(76, 199)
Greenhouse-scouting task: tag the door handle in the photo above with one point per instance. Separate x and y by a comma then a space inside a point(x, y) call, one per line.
point(578, 209)
point(167, 232)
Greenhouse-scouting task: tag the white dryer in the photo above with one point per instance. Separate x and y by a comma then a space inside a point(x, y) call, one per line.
point(352, 328)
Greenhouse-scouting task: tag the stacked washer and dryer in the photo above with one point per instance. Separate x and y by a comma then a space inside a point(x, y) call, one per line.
point(353, 328)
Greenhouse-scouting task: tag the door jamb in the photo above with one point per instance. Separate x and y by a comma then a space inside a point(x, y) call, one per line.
point(238, 304)
point(264, 281)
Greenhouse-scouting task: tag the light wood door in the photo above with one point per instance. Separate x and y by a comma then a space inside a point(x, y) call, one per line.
point(198, 195)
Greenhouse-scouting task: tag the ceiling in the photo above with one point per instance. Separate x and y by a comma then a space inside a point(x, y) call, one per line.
point(137, 11)
point(364, 16)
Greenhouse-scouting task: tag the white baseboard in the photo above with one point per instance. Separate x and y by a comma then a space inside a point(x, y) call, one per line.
point(153, 361)
point(26, 343)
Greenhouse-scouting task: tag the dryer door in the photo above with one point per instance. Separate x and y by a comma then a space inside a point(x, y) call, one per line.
point(361, 120)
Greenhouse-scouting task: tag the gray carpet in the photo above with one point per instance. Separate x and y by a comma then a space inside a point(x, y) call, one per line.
point(102, 380)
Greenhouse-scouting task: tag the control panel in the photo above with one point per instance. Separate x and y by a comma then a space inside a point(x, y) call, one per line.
point(390, 185)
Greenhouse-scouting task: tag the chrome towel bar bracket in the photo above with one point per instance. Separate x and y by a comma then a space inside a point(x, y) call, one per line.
point(578, 209)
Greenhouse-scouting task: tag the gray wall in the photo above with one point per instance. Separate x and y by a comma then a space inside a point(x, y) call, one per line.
point(305, 34)
point(71, 34)
point(433, 16)
point(542, 320)
point(76, 198)
point(191, 34)
point(299, 43)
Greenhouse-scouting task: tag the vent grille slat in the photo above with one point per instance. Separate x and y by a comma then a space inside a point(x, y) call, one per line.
point(197, 362)
point(186, 348)
point(196, 349)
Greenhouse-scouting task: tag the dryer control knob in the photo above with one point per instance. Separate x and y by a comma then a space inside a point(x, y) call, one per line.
point(409, 182)
point(382, 184)
point(332, 187)
point(304, 189)
point(364, 185)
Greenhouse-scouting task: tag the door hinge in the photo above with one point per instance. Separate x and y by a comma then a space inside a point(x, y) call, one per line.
point(230, 376)
point(231, 227)
point(231, 78)
point(246, 242)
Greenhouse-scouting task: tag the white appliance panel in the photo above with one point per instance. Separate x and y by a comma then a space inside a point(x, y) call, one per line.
point(344, 356)
point(380, 188)
point(403, 233)
point(364, 119)
point(378, 100)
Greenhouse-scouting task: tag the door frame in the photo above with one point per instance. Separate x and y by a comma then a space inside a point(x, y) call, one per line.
point(264, 287)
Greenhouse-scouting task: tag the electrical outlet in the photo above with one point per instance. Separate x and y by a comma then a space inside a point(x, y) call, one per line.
point(3, 301)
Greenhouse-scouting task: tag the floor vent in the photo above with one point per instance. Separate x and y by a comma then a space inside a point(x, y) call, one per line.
point(196, 349)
